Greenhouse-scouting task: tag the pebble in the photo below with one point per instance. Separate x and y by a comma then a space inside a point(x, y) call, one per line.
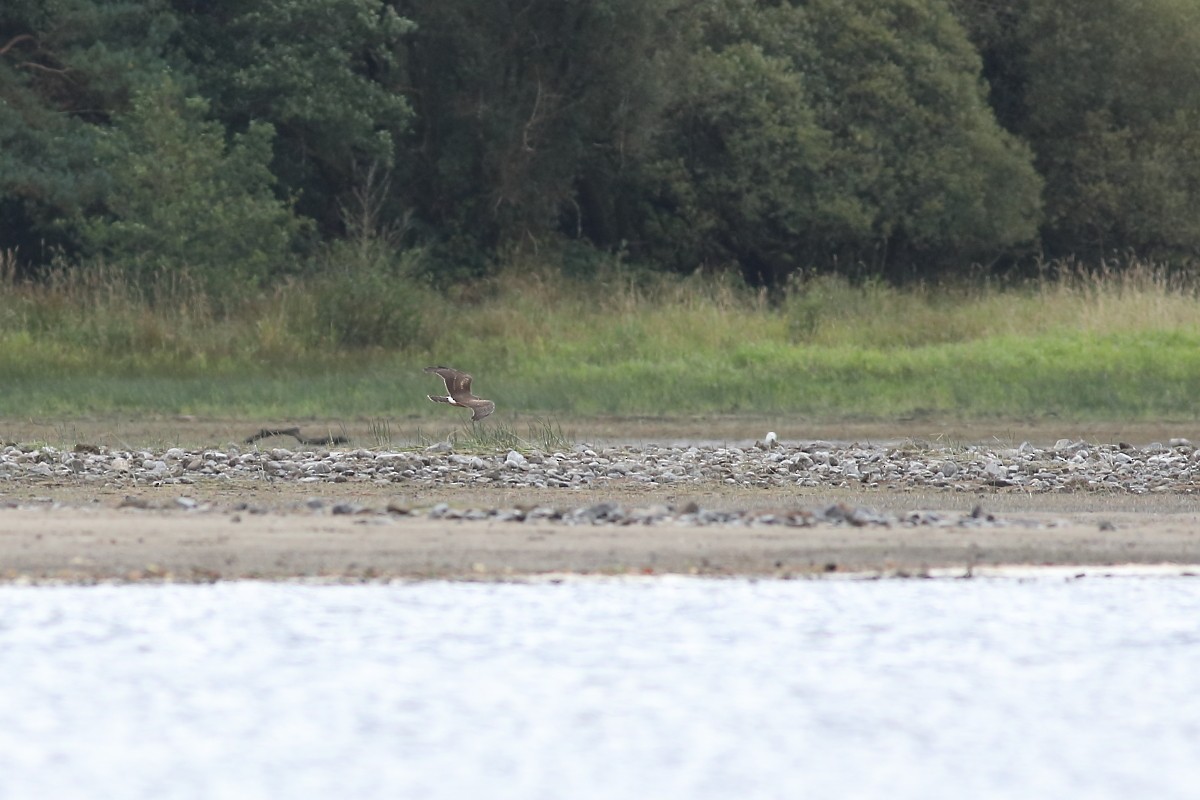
point(1067, 466)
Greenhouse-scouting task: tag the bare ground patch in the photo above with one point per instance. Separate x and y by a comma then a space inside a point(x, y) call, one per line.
point(54, 528)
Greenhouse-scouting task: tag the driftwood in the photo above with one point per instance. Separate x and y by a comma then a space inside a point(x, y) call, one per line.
point(329, 438)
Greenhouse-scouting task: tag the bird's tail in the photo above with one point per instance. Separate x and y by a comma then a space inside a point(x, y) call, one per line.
point(437, 398)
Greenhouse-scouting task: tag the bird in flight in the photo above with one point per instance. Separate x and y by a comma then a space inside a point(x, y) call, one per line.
point(458, 386)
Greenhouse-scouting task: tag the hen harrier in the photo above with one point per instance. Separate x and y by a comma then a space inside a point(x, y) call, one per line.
point(458, 385)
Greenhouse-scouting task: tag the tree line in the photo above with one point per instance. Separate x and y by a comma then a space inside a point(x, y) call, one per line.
point(236, 138)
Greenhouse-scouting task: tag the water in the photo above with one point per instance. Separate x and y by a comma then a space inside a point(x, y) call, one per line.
point(670, 688)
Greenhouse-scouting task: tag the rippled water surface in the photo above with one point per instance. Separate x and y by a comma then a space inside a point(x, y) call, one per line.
point(671, 688)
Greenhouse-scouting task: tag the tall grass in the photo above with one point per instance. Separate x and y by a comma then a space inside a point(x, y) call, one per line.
point(1064, 299)
point(351, 338)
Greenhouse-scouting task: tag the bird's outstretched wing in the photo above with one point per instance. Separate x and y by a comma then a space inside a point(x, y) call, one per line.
point(458, 383)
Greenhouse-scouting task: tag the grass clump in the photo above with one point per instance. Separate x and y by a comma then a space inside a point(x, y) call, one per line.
point(496, 435)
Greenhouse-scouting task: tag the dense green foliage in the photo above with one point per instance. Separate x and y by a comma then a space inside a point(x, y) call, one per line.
point(1107, 93)
point(65, 67)
point(179, 199)
point(775, 138)
point(322, 72)
point(842, 132)
point(1117, 122)
point(529, 116)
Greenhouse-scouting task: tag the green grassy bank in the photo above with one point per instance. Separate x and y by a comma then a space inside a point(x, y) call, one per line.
point(1110, 346)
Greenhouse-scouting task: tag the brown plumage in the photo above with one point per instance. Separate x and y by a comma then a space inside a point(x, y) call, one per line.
point(458, 386)
point(295, 433)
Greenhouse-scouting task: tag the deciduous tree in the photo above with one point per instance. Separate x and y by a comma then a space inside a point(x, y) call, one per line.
point(853, 132)
point(1113, 111)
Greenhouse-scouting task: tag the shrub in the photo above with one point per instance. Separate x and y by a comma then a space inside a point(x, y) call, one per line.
point(368, 295)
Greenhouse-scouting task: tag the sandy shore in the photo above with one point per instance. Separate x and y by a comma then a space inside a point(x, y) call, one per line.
point(100, 542)
point(62, 526)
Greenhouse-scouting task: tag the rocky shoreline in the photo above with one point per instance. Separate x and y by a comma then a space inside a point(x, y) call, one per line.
point(1067, 466)
point(772, 508)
